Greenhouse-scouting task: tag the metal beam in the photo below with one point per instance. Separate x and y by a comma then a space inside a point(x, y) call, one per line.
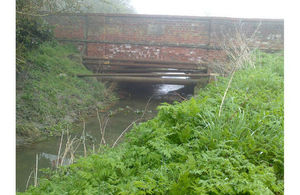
point(143, 75)
point(154, 80)
point(175, 66)
point(138, 61)
point(147, 70)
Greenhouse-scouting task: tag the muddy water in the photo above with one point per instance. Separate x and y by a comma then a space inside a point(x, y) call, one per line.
point(130, 107)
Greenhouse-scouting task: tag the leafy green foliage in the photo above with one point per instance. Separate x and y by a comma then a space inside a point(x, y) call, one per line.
point(49, 94)
point(189, 149)
point(31, 32)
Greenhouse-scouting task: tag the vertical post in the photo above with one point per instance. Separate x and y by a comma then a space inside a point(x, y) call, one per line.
point(203, 81)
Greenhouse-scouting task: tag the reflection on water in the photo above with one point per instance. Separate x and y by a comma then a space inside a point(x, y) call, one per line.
point(25, 159)
point(164, 89)
point(124, 112)
point(127, 111)
point(54, 160)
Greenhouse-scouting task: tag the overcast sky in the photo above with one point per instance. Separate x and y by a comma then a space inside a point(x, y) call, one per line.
point(225, 8)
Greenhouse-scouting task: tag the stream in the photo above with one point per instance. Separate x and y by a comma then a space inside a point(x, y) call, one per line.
point(130, 106)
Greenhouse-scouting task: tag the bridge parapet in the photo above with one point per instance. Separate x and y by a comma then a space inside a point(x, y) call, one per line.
point(161, 38)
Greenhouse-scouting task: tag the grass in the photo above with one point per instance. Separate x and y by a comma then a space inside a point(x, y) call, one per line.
point(188, 149)
point(50, 95)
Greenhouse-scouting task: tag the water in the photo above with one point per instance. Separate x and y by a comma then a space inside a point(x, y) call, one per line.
point(129, 108)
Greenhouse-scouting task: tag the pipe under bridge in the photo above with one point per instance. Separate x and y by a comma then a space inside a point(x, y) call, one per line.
point(158, 49)
point(147, 71)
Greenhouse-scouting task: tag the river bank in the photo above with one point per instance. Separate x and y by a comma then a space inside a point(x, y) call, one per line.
point(129, 107)
point(188, 148)
point(50, 96)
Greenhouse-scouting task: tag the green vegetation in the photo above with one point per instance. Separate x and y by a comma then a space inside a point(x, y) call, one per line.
point(188, 149)
point(49, 94)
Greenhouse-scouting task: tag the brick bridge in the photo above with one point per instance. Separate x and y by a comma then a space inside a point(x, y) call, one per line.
point(158, 49)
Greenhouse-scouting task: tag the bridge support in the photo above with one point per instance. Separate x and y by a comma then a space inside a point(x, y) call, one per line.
point(199, 80)
point(149, 71)
point(204, 81)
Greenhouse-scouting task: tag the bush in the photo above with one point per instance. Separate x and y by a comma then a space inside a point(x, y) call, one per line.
point(31, 32)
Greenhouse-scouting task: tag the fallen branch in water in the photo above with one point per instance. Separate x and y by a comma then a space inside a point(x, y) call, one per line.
point(183, 98)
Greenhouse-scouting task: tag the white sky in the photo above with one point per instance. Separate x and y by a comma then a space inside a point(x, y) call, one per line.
point(225, 8)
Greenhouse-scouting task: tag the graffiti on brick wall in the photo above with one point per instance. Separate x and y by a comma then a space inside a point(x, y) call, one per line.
point(167, 38)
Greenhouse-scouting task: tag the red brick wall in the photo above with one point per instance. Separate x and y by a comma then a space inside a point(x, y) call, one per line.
point(169, 38)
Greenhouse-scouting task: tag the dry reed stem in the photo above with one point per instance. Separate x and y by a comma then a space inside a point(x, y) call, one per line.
point(225, 93)
point(100, 123)
point(237, 63)
point(102, 128)
point(29, 177)
point(66, 149)
point(126, 129)
point(123, 132)
point(241, 54)
point(59, 149)
point(69, 148)
point(36, 169)
point(233, 43)
point(146, 107)
point(77, 146)
point(83, 135)
point(103, 131)
point(72, 152)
